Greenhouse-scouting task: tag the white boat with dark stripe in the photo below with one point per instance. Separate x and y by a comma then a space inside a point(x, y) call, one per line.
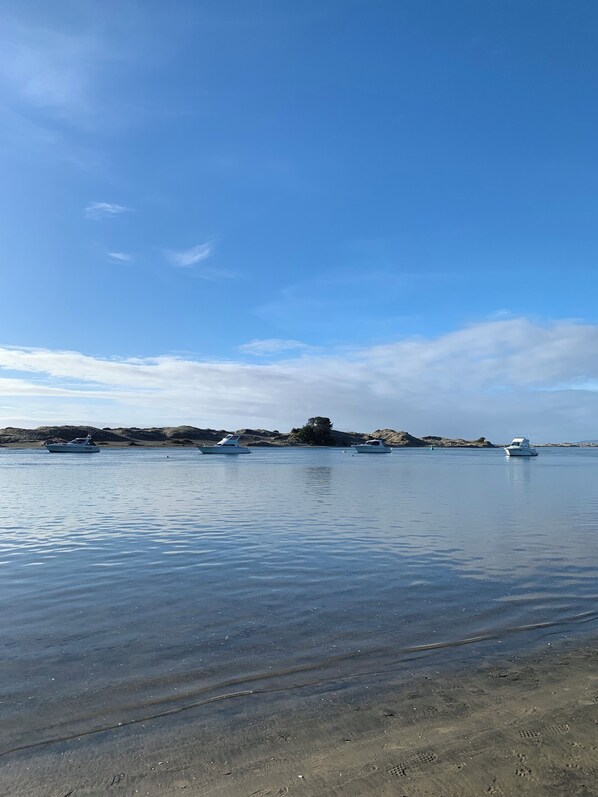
point(80, 445)
point(228, 445)
point(372, 447)
point(520, 447)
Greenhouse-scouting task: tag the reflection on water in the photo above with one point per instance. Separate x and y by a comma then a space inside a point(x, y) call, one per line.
point(520, 471)
point(318, 479)
point(135, 582)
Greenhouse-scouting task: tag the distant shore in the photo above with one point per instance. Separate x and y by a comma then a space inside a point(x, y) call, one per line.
point(187, 436)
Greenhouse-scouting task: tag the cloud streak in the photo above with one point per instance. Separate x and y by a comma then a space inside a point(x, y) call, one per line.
point(46, 68)
point(187, 258)
point(496, 378)
point(270, 346)
point(102, 210)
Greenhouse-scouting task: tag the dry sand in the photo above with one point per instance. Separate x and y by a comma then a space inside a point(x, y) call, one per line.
point(526, 726)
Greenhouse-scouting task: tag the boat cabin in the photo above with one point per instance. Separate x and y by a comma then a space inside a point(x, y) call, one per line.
point(229, 440)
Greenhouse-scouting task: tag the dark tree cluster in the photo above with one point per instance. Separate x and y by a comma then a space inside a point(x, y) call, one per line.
point(316, 432)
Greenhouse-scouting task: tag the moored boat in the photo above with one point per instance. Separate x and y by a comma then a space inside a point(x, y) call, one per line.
point(372, 447)
point(520, 447)
point(228, 445)
point(80, 445)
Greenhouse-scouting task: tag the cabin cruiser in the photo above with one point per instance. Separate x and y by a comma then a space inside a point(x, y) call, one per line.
point(372, 447)
point(520, 447)
point(228, 445)
point(80, 445)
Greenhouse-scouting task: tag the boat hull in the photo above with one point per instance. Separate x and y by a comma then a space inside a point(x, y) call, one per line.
point(227, 451)
point(516, 453)
point(371, 450)
point(58, 448)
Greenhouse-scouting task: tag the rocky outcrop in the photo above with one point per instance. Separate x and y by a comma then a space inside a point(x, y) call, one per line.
point(392, 438)
point(445, 442)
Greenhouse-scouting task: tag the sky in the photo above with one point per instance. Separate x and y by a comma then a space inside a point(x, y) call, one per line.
point(238, 214)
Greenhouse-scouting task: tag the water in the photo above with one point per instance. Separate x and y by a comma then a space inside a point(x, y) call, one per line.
point(136, 582)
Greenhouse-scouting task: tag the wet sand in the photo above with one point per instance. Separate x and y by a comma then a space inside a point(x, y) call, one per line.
point(522, 726)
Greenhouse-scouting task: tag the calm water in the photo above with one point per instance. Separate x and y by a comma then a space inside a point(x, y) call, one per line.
point(132, 582)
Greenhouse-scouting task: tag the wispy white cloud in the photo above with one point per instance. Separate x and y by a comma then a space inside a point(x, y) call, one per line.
point(47, 68)
point(64, 65)
point(64, 69)
point(496, 378)
point(101, 210)
point(190, 259)
point(27, 388)
point(121, 257)
point(50, 76)
point(186, 258)
point(263, 348)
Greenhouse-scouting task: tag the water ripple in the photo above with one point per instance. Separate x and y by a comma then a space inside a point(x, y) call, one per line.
point(138, 581)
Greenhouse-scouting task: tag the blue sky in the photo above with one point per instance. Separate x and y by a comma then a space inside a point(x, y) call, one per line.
point(378, 211)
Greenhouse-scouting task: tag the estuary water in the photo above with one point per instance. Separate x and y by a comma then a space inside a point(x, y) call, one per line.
point(134, 582)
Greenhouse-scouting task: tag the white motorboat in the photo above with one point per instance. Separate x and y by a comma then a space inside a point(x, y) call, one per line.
point(228, 445)
point(520, 447)
point(372, 447)
point(80, 445)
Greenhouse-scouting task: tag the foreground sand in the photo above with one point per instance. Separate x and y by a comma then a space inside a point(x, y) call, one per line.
point(527, 726)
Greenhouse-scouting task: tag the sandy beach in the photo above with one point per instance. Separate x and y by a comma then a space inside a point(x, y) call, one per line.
point(525, 725)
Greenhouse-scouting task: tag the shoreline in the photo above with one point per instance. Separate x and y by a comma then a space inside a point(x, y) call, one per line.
point(182, 447)
point(173, 446)
point(515, 725)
